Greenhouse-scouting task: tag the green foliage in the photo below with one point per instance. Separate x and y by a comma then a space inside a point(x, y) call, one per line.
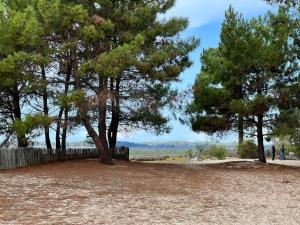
point(73, 99)
point(201, 153)
point(247, 150)
point(219, 152)
point(189, 154)
point(236, 87)
point(30, 123)
point(119, 49)
point(116, 61)
point(296, 150)
point(288, 129)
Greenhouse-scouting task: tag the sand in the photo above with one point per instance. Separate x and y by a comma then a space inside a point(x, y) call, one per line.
point(86, 192)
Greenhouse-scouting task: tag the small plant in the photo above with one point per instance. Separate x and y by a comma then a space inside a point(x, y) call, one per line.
point(189, 154)
point(297, 150)
point(201, 153)
point(292, 148)
point(247, 150)
point(219, 152)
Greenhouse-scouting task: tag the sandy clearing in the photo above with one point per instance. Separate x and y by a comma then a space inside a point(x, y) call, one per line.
point(86, 192)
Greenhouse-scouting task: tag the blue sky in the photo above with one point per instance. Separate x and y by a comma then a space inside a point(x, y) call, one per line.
point(205, 17)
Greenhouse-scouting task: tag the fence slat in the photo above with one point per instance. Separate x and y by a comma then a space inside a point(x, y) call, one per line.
point(22, 157)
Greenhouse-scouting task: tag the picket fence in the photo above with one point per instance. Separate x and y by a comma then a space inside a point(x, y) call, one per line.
point(22, 157)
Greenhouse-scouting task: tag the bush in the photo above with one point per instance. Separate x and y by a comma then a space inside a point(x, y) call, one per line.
point(293, 148)
point(297, 151)
point(200, 153)
point(189, 154)
point(219, 152)
point(247, 150)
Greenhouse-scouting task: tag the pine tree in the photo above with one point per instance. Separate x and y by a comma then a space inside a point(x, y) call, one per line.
point(252, 64)
point(20, 32)
point(138, 45)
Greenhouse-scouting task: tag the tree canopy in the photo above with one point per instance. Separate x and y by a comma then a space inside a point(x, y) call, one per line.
point(243, 80)
point(101, 64)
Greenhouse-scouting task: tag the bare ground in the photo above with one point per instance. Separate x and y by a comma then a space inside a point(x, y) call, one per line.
point(86, 192)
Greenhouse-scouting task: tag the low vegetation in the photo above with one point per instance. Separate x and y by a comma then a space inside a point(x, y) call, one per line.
point(219, 152)
point(214, 151)
point(247, 150)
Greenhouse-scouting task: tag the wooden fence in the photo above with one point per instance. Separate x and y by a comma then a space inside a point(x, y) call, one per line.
point(22, 157)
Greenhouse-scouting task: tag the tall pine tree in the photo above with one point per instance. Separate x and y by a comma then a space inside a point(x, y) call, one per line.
point(243, 77)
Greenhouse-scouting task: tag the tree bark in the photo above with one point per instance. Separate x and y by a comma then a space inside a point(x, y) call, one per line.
point(65, 129)
point(260, 139)
point(99, 140)
point(106, 155)
point(58, 126)
point(115, 115)
point(241, 129)
point(21, 139)
point(61, 142)
point(46, 109)
point(239, 95)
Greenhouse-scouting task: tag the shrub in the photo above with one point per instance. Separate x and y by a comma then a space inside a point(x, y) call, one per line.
point(247, 149)
point(219, 152)
point(297, 151)
point(189, 154)
point(293, 148)
point(202, 155)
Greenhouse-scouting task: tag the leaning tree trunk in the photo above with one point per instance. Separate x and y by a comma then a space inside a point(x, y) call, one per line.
point(104, 153)
point(46, 109)
point(260, 139)
point(91, 131)
point(99, 140)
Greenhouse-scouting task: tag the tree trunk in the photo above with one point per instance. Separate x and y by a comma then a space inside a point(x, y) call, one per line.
point(5, 142)
point(58, 126)
point(106, 155)
point(46, 109)
point(99, 140)
point(61, 142)
point(22, 140)
point(260, 139)
point(115, 115)
point(239, 95)
point(113, 133)
point(65, 129)
point(241, 129)
point(66, 118)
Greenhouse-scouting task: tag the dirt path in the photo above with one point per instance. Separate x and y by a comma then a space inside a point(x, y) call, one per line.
point(86, 192)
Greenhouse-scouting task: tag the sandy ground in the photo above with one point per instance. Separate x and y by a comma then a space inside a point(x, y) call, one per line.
point(86, 192)
point(294, 163)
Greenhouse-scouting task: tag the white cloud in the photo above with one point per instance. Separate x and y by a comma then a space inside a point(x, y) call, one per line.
point(201, 12)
